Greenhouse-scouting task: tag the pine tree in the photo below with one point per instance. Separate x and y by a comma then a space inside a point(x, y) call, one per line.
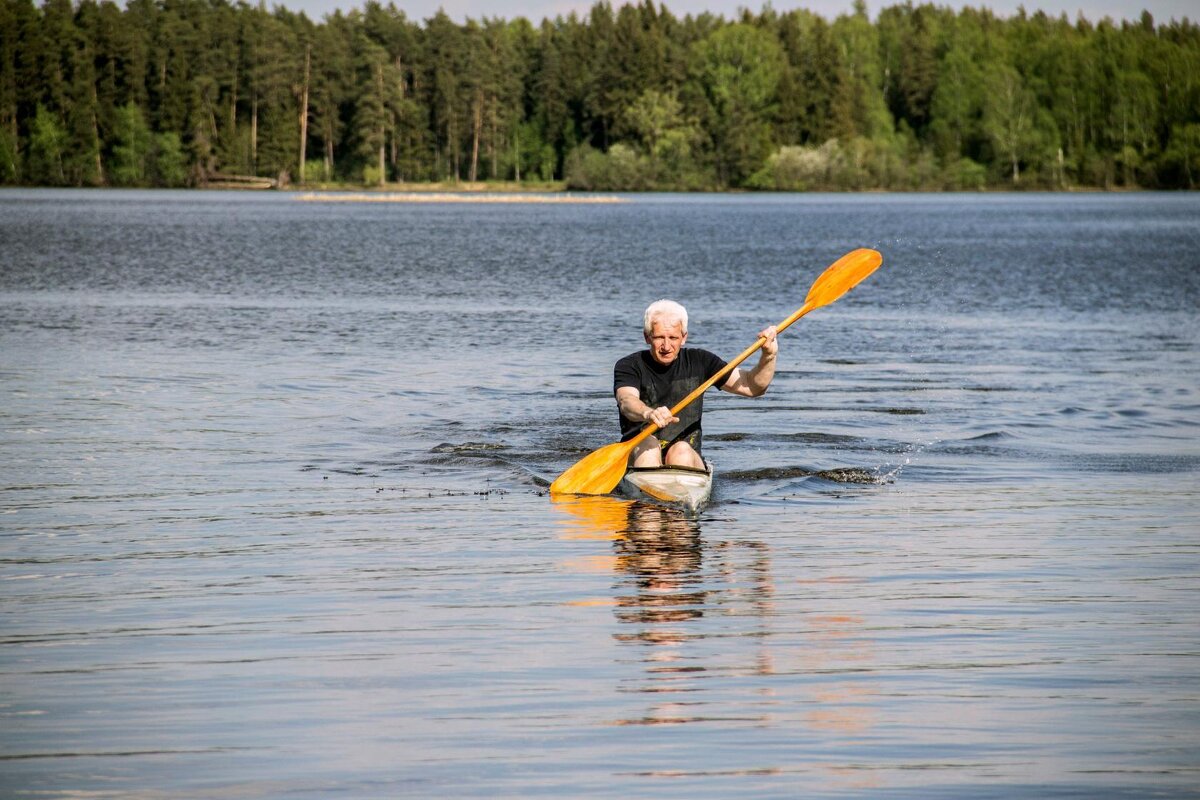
point(131, 146)
point(740, 68)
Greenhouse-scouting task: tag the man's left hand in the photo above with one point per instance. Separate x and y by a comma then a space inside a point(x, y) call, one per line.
point(771, 346)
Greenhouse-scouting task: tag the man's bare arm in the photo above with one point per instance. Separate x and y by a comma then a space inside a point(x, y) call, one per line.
point(753, 382)
point(629, 401)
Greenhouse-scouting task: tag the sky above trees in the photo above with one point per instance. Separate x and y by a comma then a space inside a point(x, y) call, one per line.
point(535, 10)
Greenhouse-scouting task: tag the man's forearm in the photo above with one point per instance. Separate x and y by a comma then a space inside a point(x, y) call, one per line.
point(763, 373)
point(633, 408)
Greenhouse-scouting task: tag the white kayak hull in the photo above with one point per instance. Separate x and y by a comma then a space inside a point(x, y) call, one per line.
point(686, 486)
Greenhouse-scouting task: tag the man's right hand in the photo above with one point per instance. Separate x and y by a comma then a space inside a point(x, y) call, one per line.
point(661, 416)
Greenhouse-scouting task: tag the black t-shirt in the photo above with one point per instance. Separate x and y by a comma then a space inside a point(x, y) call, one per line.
point(660, 385)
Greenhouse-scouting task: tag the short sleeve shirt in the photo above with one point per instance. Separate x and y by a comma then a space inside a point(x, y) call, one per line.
point(660, 385)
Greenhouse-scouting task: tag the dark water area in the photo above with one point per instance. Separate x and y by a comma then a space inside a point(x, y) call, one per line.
point(274, 522)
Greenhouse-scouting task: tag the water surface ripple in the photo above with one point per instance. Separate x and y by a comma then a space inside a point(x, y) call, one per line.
point(273, 518)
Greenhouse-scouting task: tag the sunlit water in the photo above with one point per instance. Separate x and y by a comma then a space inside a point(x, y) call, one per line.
point(275, 520)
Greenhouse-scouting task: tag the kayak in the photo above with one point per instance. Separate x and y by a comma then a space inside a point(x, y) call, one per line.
point(687, 486)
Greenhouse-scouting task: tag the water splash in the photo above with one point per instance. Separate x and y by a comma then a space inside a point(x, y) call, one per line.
point(891, 474)
point(855, 475)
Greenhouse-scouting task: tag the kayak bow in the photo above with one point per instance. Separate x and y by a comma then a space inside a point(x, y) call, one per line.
point(686, 486)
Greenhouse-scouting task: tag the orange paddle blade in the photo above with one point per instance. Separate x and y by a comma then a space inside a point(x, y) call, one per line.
point(842, 276)
point(598, 472)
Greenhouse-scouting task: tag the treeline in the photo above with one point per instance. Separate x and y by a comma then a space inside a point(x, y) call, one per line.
point(191, 92)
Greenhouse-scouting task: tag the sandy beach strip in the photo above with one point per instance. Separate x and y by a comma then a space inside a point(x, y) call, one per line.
point(451, 197)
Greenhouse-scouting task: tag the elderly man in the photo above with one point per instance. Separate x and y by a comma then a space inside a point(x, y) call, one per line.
point(650, 382)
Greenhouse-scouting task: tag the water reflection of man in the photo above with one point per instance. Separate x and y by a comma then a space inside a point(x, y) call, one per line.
point(661, 552)
point(666, 597)
point(673, 590)
point(650, 382)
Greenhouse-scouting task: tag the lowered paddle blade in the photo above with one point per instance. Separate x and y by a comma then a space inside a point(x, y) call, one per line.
point(598, 472)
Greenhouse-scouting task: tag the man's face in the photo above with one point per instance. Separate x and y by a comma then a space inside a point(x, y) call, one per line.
point(666, 338)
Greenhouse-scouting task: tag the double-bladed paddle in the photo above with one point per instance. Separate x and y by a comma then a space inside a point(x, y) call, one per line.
point(600, 471)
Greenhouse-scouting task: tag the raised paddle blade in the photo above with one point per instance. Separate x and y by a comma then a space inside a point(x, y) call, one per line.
point(598, 472)
point(842, 276)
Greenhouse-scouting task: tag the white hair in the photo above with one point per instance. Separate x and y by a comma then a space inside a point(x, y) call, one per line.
point(664, 309)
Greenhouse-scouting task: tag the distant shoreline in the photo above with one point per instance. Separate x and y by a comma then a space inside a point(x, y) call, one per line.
point(490, 196)
point(432, 187)
point(513, 192)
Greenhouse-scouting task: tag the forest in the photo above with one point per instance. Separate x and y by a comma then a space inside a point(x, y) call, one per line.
point(171, 93)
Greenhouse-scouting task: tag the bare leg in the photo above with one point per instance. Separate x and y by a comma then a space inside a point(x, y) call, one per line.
point(647, 454)
point(681, 454)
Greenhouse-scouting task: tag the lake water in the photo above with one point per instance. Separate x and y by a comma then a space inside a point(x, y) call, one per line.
point(274, 518)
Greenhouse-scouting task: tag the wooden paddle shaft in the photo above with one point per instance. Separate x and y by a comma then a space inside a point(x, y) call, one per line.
point(704, 387)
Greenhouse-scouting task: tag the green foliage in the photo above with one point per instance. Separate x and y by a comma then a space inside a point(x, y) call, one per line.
point(534, 157)
point(957, 102)
point(1181, 161)
point(131, 143)
point(372, 175)
point(9, 156)
point(621, 169)
point(795, 168)
point(965, 174)
point(629, 97)
point(1008, 118)
point(671, 142)
point(47, 144)
point(170, 165)
point(739, 67)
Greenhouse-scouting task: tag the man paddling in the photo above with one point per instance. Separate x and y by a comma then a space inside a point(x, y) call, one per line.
point(650, 382)
point(601, 470)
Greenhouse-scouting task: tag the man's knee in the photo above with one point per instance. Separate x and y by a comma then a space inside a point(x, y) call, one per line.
point(682, 454)
point(648, 453)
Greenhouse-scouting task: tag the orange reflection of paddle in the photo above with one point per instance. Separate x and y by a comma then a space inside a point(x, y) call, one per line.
point(592, 518)
point(601, 564)
point(839, 644)
point(598, 517)
point(592, 602)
